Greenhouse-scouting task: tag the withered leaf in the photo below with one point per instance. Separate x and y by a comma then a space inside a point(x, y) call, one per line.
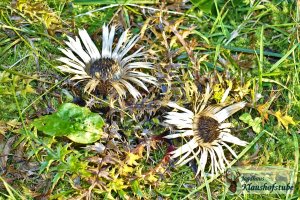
point(285, 120)
point(6, 151)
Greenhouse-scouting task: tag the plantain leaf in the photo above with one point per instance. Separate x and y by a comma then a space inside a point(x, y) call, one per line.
point(78, 124)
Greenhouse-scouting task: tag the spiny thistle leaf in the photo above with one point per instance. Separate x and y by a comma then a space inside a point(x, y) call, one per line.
point(9, 126)
point(136, 188)
point(132, 158)
point(39, 10)
point(78, 124)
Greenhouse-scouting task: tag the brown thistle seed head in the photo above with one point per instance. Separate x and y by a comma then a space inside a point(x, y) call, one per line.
point(104, 69)
point(206, 129)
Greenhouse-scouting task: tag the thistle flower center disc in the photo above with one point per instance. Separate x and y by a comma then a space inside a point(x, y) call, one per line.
point(104, 69)
point(206, 129)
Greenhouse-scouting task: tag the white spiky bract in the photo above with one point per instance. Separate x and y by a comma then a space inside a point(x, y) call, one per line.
point(196, 147)
point(79, 57)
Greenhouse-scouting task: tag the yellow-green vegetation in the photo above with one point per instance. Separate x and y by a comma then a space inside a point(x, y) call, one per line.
point(58, 141)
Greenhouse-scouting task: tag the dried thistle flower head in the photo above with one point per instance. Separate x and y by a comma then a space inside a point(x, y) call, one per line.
point(110, 68)
point(205, 132)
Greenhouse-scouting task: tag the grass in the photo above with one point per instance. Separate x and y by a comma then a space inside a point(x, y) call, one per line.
point(251, 45)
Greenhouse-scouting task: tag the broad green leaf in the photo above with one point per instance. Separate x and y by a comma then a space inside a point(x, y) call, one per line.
point(78, 124)
point(256, 125)
point(246, 118)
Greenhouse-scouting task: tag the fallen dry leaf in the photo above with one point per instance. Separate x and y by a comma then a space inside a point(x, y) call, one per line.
point(5, 152)
point(285, 120)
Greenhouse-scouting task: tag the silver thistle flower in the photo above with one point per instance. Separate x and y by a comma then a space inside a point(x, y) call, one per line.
point(206, 133)
point(107, 69)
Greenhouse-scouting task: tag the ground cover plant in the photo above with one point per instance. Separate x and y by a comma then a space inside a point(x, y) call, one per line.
point(146, 99)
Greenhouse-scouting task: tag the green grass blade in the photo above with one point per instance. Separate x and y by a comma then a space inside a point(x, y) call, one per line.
point(207, 188)
point(9, 47)
point(261, 59)
point(11, 191)
point(276, 65)
point(253, 51)
point(296, 166)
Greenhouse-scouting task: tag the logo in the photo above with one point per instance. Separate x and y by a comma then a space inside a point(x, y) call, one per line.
point(232, 177)
point(259, 180)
